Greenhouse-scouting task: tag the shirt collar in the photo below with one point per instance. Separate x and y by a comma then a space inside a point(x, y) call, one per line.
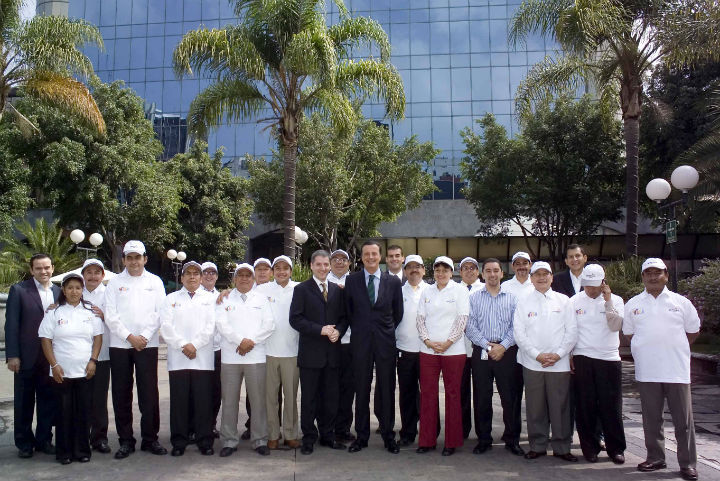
point(376, 273)
point(40, 286)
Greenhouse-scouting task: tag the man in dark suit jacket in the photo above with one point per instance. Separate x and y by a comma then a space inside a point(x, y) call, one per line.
point(26, 305)
point(374, 309)
point(568, 282)
point(317, 312)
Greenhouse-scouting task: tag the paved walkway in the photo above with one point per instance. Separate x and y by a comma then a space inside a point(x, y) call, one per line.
point(372, 463)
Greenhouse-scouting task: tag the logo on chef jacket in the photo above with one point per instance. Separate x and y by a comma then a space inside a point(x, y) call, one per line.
point(404, 299)
point(175, 304)
point(580, 312)
point(123, 289)
point(427, 300)
point(674, 309)
point(62, 322)
point(450, 301)
point(555, 311)
point(532, 314)
point(229, 308)
point(271, 299)
point(637, 311)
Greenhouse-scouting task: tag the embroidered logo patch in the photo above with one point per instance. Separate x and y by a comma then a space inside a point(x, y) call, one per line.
point(580, 312)
point(176, 304)
point(637, 311)
point(674, 309)
point(123, 289)
point(532, 314)
point(229, 308)
point(62, 322)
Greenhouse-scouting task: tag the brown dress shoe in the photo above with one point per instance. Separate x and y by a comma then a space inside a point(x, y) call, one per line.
point(292, 443)
point(648, 466)
point(272, 444)
point(689, 473)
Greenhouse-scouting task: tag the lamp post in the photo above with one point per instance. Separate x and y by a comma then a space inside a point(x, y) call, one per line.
point(172, 254)
point(77, 236)
point(301, 237)
point(683, 178)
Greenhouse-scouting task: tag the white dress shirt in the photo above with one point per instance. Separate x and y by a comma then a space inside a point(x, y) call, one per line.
point(475, 286)
point(575, 282)
point(71, 330)
point(97, 298)
point(188, 320)
point(544, 323)
point(407, 337)
point(340, 281)
point(598, 323)
point(517, 288)
point(46, 294)
point(284, 340)
point(237, 320)
point(659, 328)
point(133, 307)
point(443, 312)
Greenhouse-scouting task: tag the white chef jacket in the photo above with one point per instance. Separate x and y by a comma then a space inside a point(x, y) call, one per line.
point(595, 338)
point(97, 298)
point(475, 286)
point(519, 289)
point(441, 308)
point(133, 307)
point(188, 320)
point(340, 281)
point(217, 338)
point(283, 342)
point(544, 323)
point(72, 330)
point(407, 337)
point(237, 320)
point(659, 344)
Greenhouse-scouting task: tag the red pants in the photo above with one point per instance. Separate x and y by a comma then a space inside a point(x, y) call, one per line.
point(452, 369)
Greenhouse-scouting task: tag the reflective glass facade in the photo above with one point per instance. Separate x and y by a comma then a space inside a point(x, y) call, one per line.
point(453, 56)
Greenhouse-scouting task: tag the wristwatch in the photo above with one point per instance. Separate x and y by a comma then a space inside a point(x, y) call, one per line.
point(94, 360)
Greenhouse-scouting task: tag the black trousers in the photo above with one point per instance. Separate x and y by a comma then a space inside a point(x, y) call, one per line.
point(191, 387)
point(466, 398)
point(344, 419)
point(31, 385)
point(123, 363)
point(408, 375)
point(508, 377)
point(364, 360)
point(73, 420)
point(319, 392)
point(216, 389)
point(99, 387)
point(598, 397)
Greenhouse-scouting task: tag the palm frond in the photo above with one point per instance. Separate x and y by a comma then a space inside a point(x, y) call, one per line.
point(25, 125)
point(368, 78)
point(334, 106)
point(227, 99)
point(539, 16)
point(9, 17)
point(360, 31)
point(311, 52)
point(690, 31)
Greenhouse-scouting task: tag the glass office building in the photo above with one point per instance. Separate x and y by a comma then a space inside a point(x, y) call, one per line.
point(453, 56)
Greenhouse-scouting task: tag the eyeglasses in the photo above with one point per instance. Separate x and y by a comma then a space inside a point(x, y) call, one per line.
point(209, 273)
point(339, 260)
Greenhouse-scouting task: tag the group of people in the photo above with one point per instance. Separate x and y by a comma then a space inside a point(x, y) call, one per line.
point(556, 337)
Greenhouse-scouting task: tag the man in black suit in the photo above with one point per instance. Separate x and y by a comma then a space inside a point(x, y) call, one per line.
point(395, 259)
point(26, 305)
point(568, 282)
point(317, 312)
point(374, 309)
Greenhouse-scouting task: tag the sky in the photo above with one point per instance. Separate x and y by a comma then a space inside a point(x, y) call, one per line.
point(28, 10)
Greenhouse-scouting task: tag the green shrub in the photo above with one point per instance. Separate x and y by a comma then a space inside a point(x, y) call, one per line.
point(625, 277)
point(704, 291)
point(8, 277)
point(301, 272)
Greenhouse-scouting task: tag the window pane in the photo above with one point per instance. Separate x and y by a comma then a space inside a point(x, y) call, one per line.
point(137, 49)
point(440, 85)
point(480, 36)
point(420, 86)
point(139, 11)
point(481, 84)
point(460, 37)
point(107, 12)
point(173, 10)
point(400, 38)
point(440, 38)
point(192, 10)
point(500, 83)
point(461, 84)
point(498, 35)
point(419, 37)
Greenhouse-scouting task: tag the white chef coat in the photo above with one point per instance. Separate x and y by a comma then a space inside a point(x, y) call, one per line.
point(97, 297)
point(544, 323)
point(133, 307)
point(475, 286)
point(283, 342)
point(237, 320)
point(519, 289)
point(188, 320)
point(72, 330)
point(595, 338)
point(441, 308)
point(659, 344)
point(340, 281)
point(407, 337)
point(217, 338)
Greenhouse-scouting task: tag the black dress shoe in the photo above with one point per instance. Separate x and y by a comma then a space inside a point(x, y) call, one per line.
point(347, 437)
point(481, 448)
point(566, 457)
point(154, 447)
point(177, 452)
point(392, 446)
point(448, 451)
point(648, 466)
point(515, 449)
point(405, 442)
point(331, 444)
point(534, 454)
point(618, 458)
point(356, 446)
point(124, 451)
point(227, 451)
point(424, 449)
point(207, 451)
point(102, 447)
point(591, 458)
point(689, 473)
point(25, 453)
point(84, 459)
point(245, 435)
point(306, 449)
point(192, 438)
point(65, 461)
point(47, 448)
point(262, 450)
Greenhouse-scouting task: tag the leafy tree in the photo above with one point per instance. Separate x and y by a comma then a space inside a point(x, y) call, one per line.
point(14, 187)
point(612, 46)
point(562, 175)
point(280, 61)
point(703, 291)
point(111, 184)
point(346, 185)
point(42, 56)
point(215, 207)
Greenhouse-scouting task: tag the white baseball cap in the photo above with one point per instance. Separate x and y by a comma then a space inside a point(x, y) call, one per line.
point(189, 264)
point(261, 260)
point(592, 275)
point(520, 254)
point(413, 258)
point(341, 252)
point(242, 266)
point(209, 265)
point(134, 247)
point(470, 260)
point(282, 258)
point(93, 262)
point(444, 260)
point(653, 262)
point(540, 265)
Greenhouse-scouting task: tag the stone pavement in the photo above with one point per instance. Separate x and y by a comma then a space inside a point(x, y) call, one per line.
point(372, 463)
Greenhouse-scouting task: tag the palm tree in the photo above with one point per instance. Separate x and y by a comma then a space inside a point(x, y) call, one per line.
point(41, 57)
point(283, 57)
point(610, 46)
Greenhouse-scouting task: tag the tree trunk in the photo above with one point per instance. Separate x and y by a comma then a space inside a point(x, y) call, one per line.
point(632, 137)
point(290, 150)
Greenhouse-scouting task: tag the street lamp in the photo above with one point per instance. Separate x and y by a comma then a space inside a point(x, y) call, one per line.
point(77, 236)
point(683, 178)
point(301, 237)
point(176, 259)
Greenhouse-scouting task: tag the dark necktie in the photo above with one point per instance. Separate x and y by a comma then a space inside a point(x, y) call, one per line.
point(191, 294)
point(469, 287)
point(324, 291)
point(371, 288)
